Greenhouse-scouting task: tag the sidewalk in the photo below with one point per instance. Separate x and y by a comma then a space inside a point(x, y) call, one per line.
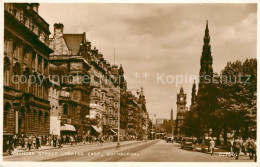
point(43, 148)
point(217, 151)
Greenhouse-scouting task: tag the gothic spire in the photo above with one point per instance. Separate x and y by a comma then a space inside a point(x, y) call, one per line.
point(193, 94)
point(206, 58)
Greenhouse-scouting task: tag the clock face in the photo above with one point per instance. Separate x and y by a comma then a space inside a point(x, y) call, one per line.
point(181, 98)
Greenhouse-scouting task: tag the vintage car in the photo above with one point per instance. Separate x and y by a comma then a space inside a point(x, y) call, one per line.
point(187, 142)
point(169, 140)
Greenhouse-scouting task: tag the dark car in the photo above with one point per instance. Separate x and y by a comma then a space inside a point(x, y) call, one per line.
point(187, 142)
point(169, 140)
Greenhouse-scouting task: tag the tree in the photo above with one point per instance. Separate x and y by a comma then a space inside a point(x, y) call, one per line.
point(237, 97)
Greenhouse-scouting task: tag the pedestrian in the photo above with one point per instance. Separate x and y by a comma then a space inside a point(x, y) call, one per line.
point(101, 140)
point(15, 139)
point(237, 147)
point(241, 144)
point(25, 142)
point(50, 139)
point(212, 146)
point(71, 140)
point(34, 142)
point(10, 145)
point(41, 137)
point(22, 142)
point(59, 142)
point(30, 142)
point(54, 141)
point(251, 148)
point(231, 147)
point(37, 142)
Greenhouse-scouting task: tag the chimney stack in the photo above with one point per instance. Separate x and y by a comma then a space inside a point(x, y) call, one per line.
point(58, 29)
point(35, 7)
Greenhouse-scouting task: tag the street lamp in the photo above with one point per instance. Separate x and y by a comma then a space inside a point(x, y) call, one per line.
point(118, 128)
point(118, 123)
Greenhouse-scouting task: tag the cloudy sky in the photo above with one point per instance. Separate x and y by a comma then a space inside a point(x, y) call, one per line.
point(161, 40)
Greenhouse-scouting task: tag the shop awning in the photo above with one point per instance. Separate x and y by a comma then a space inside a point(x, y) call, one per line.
point(99, 130)
point(67, 127)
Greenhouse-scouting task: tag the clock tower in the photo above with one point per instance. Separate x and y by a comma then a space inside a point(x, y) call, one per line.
point(181, 109)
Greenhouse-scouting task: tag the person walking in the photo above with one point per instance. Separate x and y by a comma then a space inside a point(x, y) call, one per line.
point(22, 142)
point(59, 142)
point(231, 147)
point(54, 141)
point(237, 147)
point(101, 140)
point(30, 142)
point(34, 142)
point(15, 139)
point(37, 142)
point(25, 142)
point(212, 146)
point(251, 148)
point(71, 140)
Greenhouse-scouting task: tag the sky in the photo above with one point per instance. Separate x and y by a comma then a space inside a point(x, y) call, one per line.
point(158, 44)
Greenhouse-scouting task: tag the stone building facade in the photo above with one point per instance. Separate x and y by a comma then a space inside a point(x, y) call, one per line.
point(181, 110)
point(70, 65)
point(54, 94)
point(104, 97)
point(26, 62)
point(133, 113)
point(138, 117)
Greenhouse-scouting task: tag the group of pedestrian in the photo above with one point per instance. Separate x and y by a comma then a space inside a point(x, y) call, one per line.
point(238, 145)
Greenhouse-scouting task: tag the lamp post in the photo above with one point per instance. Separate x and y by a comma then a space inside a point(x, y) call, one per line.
point(118, 123)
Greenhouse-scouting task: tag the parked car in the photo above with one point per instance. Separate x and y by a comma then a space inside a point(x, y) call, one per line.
point(169, 140)
point(186, 142)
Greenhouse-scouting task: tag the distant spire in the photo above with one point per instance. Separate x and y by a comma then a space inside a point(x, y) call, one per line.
point(206, 58)
point(181, 90)
point(207, 37)
point(193, 94)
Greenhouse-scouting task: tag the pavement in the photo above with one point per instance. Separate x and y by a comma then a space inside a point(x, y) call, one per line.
point(217, 151)
point(130, 151)
point(19, 149)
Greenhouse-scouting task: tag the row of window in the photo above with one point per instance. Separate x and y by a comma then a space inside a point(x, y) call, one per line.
point(39, 117)
point(27, 21)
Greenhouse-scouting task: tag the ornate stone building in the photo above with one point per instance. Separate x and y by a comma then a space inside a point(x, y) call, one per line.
point(206, 70)
point(133, 113)
point(105, 93)
point(181, 109)
point(54, 94)
point(138, 117)
point(26, 62)
point(70, 65)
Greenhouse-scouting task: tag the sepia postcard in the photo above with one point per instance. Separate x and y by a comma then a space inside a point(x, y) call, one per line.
point(129, 82)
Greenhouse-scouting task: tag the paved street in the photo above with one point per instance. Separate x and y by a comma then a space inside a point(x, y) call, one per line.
point(136, 151)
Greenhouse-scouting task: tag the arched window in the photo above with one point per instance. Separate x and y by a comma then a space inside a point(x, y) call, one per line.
point(34, 82)
point(65, 109)
point(16, 72)
point(34, 118)
point(46, 117)
point(6, 71)
point(40, 119)
point(45, 120)
point(6, 109)
point(26, 78)
point(15, 53)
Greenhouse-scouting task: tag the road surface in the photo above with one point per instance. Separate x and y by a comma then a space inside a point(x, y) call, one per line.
point(130, 151)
